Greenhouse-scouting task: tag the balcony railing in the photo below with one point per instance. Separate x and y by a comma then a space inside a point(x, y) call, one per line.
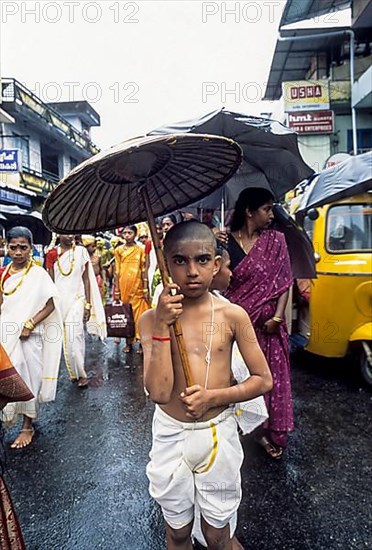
point(42, 183)
point(14, 92)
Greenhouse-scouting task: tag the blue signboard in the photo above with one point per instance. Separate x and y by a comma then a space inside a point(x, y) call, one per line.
point(12, 197)
point(9, 160)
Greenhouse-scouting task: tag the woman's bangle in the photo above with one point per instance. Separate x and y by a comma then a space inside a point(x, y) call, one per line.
point(277, 319)
point(161, 338)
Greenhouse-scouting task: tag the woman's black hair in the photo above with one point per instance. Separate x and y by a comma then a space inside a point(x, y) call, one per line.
point(172, 218)
point(18, 232)
point(132, 228)
point(251, 198)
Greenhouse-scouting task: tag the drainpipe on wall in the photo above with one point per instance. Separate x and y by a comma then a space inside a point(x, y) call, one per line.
point(352, 56)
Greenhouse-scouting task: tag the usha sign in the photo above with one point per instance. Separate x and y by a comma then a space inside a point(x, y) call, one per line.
point(311, 122)
point(306, 95)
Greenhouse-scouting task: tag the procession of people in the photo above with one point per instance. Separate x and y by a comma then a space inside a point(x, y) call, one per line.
point(69, 294)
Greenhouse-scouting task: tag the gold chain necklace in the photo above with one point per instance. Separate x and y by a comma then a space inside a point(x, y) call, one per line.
point(72, 263)
point(10, 292)
point(241, 242)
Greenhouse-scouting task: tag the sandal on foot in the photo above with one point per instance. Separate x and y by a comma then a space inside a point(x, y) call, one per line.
point(270, 448)
point(22, 441)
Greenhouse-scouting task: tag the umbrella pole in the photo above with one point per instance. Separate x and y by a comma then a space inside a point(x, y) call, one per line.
point(177, 327)
point(222, 223)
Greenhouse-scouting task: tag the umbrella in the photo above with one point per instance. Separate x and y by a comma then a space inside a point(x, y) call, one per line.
point(102, 192)
point(271, 158)
point(348, 178)
point(13, 215)
point(300, 247)
point(141, 178)
point(12, 386)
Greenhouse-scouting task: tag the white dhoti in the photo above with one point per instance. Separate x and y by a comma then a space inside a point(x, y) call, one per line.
point(37, 357)
point(196, 465)
point(68, 276)
point(249, 414)
point(74, 340)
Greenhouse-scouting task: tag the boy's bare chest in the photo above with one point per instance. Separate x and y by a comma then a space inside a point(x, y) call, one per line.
point(206, 337)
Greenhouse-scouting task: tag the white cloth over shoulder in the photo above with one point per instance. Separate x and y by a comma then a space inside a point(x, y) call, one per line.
point(45, 343)
point(71, 287)
point(250, 414)
point(97, 321)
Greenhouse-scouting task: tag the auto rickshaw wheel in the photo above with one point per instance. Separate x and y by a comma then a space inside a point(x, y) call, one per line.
point(365, 364)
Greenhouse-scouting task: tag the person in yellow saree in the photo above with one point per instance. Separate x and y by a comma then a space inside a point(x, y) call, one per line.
point(131, 281)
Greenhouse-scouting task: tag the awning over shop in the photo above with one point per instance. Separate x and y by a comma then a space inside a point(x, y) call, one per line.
point(15, 195)
point(292, 59)
point(295, 11)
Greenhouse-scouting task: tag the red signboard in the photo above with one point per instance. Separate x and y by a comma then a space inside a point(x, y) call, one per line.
point(311, 122)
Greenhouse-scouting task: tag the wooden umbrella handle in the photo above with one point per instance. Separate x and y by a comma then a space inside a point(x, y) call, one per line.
point(177, 327)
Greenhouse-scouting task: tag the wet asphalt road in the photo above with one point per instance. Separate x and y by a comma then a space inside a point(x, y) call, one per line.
point(81, 485)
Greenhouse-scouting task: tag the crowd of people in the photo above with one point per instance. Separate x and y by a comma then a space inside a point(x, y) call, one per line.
point(238, 280)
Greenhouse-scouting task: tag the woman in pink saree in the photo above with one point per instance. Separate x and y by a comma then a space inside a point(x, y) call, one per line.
point(260, 284)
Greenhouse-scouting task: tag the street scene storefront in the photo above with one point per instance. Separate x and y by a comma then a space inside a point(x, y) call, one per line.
point(185, 320)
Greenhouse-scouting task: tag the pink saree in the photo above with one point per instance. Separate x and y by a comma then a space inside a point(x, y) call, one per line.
point(259, 279)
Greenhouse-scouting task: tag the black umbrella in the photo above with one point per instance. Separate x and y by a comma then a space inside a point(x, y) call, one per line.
point(300, 247)
point(141, 178)
point(351, 177)
point(271, 158)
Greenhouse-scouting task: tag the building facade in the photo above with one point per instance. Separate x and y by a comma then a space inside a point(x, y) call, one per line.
point(323, 77)
point(41, 144)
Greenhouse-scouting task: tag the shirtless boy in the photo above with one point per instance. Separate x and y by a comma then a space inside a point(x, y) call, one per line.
point(196, 453)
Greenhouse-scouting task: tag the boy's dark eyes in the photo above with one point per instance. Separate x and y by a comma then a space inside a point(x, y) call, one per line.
point(178, 260)
point(204, 259)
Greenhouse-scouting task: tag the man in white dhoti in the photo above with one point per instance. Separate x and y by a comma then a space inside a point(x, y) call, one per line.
point(30, 330)
point(70, 267)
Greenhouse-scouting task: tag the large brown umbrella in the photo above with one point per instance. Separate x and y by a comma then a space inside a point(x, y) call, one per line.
point(138, 179)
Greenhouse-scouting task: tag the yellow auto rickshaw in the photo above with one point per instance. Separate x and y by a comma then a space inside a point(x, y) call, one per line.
point(337, 317)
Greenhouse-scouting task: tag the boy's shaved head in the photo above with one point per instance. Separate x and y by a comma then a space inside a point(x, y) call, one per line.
point(191, 230)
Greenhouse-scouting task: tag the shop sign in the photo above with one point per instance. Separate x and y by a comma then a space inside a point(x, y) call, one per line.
point(311, 122)
point(9, 160)
point(12, 197)
point(306, 95)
